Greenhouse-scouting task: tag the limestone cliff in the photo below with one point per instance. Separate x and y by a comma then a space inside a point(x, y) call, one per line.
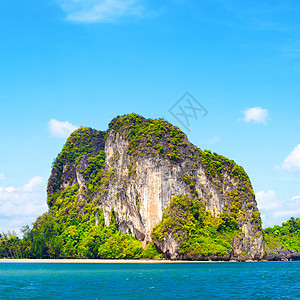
point(147, 163)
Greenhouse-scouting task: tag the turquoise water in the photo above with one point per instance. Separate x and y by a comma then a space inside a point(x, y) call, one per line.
point(265, 280)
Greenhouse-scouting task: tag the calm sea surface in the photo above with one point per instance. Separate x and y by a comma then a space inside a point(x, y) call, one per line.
point(265, 280)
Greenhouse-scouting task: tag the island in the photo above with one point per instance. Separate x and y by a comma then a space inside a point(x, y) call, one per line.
point(141, 190)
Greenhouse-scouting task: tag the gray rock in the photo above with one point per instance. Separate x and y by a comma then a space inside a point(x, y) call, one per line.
point(283, 255)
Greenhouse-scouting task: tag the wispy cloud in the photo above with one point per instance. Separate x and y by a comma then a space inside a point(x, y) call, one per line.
point(292, 162)
point(256, 115)
point(100, 11)
point(61, 129)
point(2, 176)
point(275, 211)
point(22, 205)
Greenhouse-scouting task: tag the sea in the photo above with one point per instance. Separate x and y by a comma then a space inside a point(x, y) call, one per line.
point(259, 280)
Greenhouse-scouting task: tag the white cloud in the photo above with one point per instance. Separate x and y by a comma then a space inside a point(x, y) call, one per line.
point(256, 115)
point(34, 183)
point(267, 200)
point(2, 177)
point(296, 198)
point(9, 189)
point(102, 11)
point(292, 162)
point(61, 129)
point(275, 211)
point(21, 206)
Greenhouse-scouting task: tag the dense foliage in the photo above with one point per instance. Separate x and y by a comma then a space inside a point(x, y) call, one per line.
point(286, 236)
point(216, 164)
point(11, 246)
point(83, 141)
point(155, 136)
point(196, 229)
point(73, 229)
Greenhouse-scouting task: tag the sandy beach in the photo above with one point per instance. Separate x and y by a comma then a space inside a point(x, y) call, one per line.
point(97, 261)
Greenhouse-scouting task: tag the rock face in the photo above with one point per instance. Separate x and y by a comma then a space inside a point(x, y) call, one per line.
point(283, 255)
point(147, 162)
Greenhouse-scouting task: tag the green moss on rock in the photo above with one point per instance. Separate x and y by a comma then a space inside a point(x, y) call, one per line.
point(196, 230)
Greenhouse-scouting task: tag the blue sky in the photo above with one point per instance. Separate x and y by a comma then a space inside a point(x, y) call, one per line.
point(67, 63)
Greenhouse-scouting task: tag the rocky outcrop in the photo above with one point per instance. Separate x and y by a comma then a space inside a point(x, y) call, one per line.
point(68, 168)
point(147, 162)
point(282, 255)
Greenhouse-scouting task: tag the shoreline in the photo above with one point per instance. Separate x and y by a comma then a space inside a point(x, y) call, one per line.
point(105, 261)
point(96, 261)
